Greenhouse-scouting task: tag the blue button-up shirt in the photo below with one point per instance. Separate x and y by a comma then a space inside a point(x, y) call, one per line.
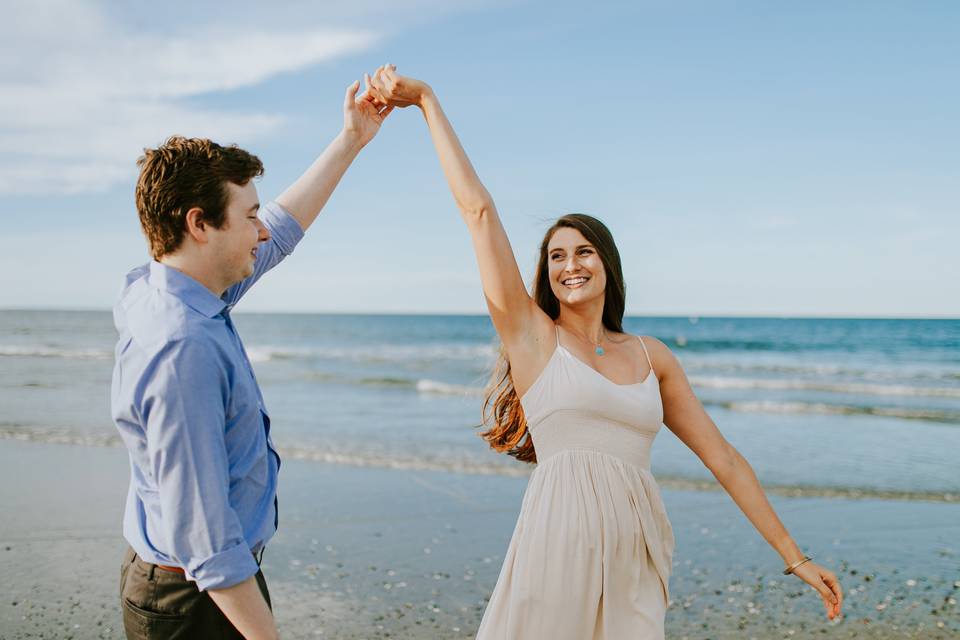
point(203, 467)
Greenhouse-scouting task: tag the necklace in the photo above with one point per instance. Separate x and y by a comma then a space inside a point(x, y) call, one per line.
point(597, 349)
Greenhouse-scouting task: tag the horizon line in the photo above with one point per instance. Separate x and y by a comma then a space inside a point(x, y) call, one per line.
point(758, 316)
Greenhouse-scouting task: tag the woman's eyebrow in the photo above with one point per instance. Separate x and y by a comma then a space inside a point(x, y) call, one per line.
point(579, 246)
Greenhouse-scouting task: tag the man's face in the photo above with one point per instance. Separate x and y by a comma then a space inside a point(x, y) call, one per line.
point(234, 245)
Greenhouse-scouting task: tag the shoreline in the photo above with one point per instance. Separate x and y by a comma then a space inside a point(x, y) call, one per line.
point(103, 439)
point(365, 552)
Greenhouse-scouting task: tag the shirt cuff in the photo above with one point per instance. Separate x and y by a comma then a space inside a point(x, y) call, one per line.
point(283, 227)
point(224, 569)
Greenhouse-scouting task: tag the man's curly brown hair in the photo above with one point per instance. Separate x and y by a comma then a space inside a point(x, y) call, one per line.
point(184, 173)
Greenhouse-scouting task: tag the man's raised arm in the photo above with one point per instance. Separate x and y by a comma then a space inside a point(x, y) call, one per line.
point(362, 117)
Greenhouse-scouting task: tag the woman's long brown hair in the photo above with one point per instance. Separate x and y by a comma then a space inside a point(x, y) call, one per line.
point(502, 412)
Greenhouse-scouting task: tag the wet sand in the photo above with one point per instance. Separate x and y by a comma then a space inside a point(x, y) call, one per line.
point(378, 553)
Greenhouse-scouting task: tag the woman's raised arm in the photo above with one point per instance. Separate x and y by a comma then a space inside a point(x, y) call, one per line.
point(517, 318)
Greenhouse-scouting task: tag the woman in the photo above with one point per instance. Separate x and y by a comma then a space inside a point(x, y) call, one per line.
point(591, 553)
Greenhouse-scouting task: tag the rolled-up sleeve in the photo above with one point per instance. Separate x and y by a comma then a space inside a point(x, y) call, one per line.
point(183, 399)
point(285, 234)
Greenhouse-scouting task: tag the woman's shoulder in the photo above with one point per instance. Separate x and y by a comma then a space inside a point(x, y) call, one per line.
point(660, 354)
point(650, 342)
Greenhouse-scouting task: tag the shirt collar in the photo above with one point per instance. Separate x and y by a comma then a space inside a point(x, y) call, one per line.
point(189, 291)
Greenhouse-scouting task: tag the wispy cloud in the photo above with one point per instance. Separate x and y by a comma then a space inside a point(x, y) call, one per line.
point(81, 93)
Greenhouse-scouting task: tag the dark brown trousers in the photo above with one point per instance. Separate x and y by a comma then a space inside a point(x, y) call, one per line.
point(158, 603)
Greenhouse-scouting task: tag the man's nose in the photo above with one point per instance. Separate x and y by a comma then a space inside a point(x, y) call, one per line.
point(264, 232)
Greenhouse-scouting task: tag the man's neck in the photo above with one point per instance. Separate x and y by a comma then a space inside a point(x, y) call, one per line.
point(194, 268)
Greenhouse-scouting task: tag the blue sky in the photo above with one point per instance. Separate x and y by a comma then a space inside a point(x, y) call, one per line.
point(750, 157)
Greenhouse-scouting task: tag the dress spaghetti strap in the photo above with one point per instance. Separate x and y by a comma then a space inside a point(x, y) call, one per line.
point(647, 353)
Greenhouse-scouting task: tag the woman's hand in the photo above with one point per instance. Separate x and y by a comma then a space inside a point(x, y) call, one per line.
point(396, 90)
point(363, 115)
point(825, 583)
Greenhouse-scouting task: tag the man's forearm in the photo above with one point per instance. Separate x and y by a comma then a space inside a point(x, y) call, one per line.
point(244, 606)
point(307, 196)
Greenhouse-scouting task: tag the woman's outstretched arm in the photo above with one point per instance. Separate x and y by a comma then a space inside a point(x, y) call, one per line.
point(685, 416)
point(516, 317)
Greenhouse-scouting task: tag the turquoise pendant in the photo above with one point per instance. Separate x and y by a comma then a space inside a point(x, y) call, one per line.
point(599, 350)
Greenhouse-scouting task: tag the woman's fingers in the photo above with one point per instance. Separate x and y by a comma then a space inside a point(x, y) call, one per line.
point(392, 81)
point(829, 590)
point(371, 93)
point(832, 585)
point(825, 583)
point(835, 589)
point(377, 81)
point(827, 597)
point(826, 594)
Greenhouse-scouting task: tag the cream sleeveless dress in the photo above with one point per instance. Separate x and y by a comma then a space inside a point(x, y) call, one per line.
point(590, 556)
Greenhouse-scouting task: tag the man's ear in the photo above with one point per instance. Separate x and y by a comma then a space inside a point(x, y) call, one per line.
point(196, 226)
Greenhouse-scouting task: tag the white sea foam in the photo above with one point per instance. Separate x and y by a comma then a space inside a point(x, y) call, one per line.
point(423, 462)
point(443, 388)
point(374, 353)
point(265, 354)
point(831, 387)
point(458, 463)
point(57, 435)
point(439, 462)
point(885, 373)
point(770, 406)
point(43, 351)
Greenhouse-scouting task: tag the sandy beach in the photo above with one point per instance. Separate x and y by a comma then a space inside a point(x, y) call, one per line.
point(378, 553)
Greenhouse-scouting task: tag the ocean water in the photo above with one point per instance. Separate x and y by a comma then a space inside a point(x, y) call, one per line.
point(823, 405)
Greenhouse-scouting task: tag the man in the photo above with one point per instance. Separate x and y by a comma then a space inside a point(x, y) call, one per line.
point(202, 499)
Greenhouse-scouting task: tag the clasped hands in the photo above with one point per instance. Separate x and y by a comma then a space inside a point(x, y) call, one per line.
point(384, 90)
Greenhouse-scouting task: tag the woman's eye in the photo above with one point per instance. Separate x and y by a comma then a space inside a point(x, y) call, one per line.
point(585, 252)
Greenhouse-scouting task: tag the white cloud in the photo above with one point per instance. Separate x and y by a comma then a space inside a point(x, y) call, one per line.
point(81, 93)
